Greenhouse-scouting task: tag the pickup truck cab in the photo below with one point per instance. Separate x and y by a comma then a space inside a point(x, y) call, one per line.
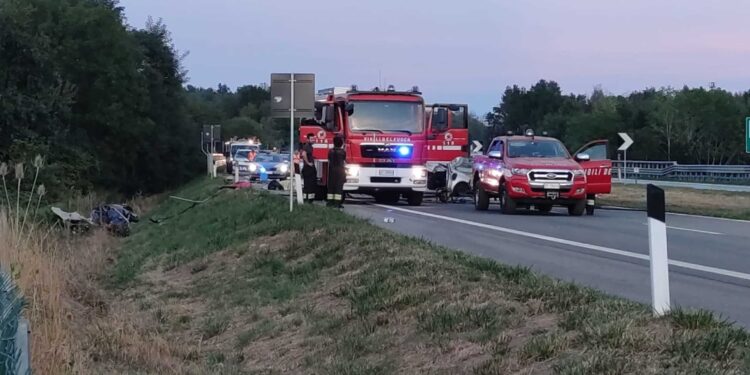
point(525, 171)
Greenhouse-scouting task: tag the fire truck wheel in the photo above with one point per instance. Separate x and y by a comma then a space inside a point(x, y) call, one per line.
point(578, 208)
point(507, 204)
point(415, 198)
point(481, 199)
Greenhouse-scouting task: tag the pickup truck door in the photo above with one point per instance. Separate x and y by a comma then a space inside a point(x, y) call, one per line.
point(598, 168)
point(447, 132)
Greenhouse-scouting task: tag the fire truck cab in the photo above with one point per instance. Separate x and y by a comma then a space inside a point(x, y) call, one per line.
point(385, 136)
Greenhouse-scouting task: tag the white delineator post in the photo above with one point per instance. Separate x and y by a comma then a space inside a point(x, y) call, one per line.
point(291, 141)
point(657, 241)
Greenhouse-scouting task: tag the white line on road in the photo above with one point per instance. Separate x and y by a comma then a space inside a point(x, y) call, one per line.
point(693, 230)
point(629, 254)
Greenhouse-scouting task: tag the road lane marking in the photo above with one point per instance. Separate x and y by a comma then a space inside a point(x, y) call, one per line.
point(603, 249)
point(692, 230)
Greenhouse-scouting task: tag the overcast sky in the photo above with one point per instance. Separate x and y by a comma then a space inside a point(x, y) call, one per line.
point(461, 51)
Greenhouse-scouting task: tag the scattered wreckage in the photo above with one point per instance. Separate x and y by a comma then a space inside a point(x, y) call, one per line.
point(115, 218)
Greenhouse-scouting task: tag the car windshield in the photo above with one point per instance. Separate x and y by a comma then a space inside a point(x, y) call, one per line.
point(537, 149)
point(242, 148)
point(242, 154)
point(383, 117)
point(269, 158)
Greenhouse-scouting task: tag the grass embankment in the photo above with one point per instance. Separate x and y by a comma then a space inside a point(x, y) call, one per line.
point(238, 285)
point(733, 205)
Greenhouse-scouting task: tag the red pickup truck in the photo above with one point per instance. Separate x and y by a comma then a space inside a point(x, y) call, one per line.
point(525, 171)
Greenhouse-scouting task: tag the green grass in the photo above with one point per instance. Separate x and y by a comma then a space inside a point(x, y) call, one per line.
point(320, 292)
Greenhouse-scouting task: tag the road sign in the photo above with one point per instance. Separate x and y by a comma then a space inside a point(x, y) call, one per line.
point(477, 147)
point(627, 141)
point(747, 135)
point(282, 91)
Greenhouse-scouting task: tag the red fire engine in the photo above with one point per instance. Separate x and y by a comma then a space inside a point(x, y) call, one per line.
point(391, 139)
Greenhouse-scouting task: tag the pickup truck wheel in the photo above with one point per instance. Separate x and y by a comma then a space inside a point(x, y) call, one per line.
point(507, 204)
point(578, 208)
point(590, 204)
point(414, 198)
point(481, 199)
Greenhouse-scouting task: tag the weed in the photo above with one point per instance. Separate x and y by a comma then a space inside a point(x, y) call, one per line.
point(699, 319)
point(543, 347)
point(214, 325)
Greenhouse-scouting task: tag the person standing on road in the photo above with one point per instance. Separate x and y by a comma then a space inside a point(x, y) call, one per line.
point(309, 173)
point(336, 173)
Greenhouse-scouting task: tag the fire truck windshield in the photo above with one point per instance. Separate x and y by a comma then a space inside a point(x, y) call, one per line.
point(384, 116)
point(536, 149)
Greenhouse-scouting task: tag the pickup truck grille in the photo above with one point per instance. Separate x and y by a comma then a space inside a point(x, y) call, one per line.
point(383, 151)
point(550, 176)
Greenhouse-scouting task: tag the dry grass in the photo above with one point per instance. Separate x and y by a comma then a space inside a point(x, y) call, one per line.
point(60, 277)
point(734, 205)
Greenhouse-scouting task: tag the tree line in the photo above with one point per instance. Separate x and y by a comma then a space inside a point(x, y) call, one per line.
point(689, 125)
point(105, 104)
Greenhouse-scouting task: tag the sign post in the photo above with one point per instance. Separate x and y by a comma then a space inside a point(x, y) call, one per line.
point(627, 142)
point(209, 136)
point(290, 93)
point(747, 135)
point(657, 244)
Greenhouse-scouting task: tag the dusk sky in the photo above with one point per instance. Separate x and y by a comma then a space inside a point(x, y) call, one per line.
point(461, 51)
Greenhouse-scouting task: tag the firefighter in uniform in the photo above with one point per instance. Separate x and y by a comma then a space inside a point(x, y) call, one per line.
point(309, 173)
point(336, 172)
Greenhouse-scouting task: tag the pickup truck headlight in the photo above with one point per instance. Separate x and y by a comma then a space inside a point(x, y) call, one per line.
point(579, 174)
point(495, 173)
point(352, 170)
point(283, 168)
point(252, 167)
point(519, 171)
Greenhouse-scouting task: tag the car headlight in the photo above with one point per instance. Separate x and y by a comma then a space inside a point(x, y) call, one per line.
point(418, 172)
point(579, 174)
point(283, 168)
point(495, 173)
point(252, 167)
point(519, 171)
point(352, 170)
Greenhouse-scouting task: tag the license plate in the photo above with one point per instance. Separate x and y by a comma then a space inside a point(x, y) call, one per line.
point(552, 186)
point(552, 194)
point(385, 172)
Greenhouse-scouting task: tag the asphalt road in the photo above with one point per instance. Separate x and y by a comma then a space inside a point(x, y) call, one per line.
point(709, 257)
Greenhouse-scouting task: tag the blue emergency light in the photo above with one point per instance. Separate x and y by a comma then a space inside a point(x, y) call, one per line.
point(404, 151)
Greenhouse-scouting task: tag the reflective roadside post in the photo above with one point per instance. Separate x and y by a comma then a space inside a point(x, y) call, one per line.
point(657, 244)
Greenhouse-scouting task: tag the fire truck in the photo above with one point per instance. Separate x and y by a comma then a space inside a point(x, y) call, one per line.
point(392, 139)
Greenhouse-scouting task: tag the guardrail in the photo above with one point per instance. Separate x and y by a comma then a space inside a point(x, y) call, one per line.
point(669, 170)
point(14, 330)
